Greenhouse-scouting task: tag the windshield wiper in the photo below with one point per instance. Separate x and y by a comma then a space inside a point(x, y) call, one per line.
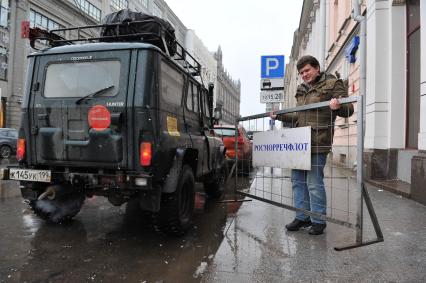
point(93, 94)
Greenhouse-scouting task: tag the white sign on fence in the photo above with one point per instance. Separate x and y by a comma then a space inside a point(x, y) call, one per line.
point(284, 148)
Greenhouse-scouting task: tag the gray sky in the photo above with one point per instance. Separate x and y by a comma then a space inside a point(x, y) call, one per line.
point(245, 29)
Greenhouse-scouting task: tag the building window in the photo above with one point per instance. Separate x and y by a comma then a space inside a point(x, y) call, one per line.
point(4, 53)
point(4, 13)
point(346, 70)
point(89, 9)
point(156, 11)
point(3, 67)
point(120, 4)
point(413, 73)
point(43, 22)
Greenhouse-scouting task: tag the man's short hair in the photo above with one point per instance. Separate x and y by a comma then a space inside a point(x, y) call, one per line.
point(305, 60)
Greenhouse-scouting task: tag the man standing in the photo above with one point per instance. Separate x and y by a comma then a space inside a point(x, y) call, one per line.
point(308, 185)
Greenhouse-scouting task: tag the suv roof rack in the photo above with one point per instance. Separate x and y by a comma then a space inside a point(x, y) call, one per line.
point(55, 38)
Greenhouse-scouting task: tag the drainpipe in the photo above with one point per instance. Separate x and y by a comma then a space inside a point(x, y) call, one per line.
point(323, 33)
point(356, 15)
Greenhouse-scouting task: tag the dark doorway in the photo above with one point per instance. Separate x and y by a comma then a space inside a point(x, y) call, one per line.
point(413, 73)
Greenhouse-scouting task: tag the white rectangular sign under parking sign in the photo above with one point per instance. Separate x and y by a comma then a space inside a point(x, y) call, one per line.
point(271, 96)
point(284, 148)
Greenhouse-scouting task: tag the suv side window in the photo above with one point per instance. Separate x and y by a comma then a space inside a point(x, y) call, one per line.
point(206, 105)
point(189, 100)
point(192, 97)
point(172, 82)
point(205, 112)
point(195, 97)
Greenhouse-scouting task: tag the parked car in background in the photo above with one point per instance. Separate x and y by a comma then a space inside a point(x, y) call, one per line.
point(8, 140)
point(244, 145)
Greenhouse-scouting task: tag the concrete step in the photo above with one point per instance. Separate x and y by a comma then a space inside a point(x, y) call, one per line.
point(395, 186)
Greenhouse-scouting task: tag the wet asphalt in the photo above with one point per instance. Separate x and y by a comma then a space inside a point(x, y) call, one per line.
point(229, 242)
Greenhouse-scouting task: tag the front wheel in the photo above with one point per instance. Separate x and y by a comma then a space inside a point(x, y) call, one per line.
point(177, 208)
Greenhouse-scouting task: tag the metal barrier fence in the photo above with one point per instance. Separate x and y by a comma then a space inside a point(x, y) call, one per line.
point(343, 174)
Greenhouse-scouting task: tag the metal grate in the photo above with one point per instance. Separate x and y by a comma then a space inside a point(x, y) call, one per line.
point(343, 178)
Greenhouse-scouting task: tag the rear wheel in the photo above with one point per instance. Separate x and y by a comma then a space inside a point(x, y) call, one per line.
point(216, 188)
point(62, 208)
point(5, 151)
point(177, 208)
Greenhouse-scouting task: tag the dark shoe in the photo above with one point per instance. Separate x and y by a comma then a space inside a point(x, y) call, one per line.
point(317, 228)
point(297, 224)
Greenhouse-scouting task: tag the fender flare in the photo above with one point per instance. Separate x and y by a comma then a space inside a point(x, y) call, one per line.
point(222, 150)
point(175, 171)
point(220, 158)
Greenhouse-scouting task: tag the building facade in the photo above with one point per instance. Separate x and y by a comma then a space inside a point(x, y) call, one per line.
point(228, 92)
point(195, 46)
point(53, 14)
point(325, 31)
point(395, 133)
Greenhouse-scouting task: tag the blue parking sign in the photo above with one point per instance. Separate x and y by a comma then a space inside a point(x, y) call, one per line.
point(272, 66)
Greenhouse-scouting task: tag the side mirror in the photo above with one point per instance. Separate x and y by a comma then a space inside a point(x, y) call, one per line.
point(217, 114)
point(210, 96)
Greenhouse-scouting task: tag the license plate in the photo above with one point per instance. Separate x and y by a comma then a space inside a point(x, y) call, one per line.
point(29, 175)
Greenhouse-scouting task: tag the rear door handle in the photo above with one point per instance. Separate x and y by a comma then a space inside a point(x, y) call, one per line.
point(77, 143)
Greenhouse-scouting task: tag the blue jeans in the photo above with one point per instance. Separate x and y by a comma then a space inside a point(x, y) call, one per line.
point(309, 190)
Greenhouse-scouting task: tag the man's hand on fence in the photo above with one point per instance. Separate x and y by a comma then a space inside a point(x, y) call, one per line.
point(272, 115)
point(334, 104)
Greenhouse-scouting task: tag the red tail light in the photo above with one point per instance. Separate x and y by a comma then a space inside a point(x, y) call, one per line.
point(145, 151)
point(20, 149)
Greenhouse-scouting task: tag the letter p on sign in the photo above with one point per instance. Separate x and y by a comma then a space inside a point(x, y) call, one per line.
point(272, 66)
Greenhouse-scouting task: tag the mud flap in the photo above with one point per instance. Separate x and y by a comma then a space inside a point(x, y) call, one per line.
point(28, 194)
point(150, 201)
point(174, 173)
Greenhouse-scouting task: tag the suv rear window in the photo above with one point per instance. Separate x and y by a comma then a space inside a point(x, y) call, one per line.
point(8, 133)
point(225, 132)
point(81, 78)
